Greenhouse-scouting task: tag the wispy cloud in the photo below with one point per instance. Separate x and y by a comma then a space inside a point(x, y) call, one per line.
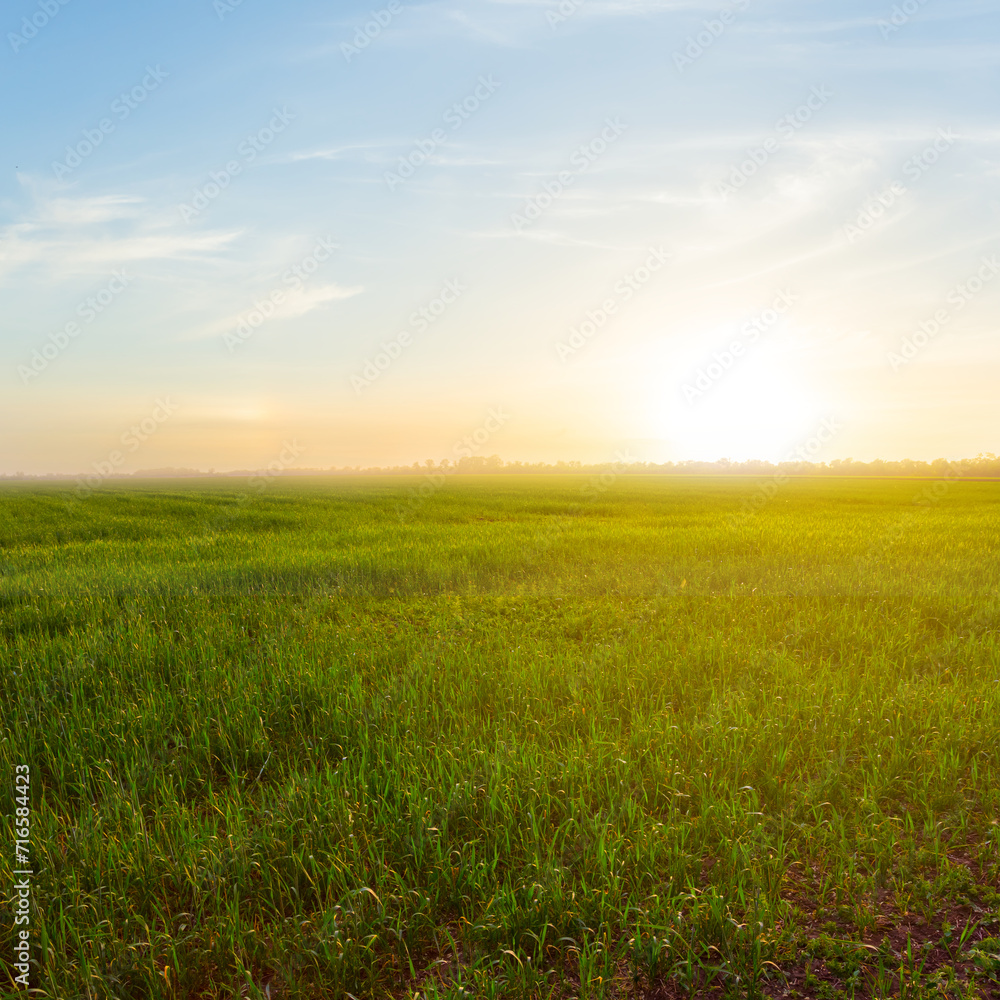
point(296, 303)
point(82, 236)
point(354, 150)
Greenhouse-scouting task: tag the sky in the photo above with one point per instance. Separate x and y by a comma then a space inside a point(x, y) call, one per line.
point(238, 232)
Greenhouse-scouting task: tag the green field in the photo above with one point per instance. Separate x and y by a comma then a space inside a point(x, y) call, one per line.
point(515, 737)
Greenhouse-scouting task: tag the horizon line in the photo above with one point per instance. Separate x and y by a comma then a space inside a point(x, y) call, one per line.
point(984, 463)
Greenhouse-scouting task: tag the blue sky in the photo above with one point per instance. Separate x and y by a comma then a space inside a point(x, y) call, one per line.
point(607, 200)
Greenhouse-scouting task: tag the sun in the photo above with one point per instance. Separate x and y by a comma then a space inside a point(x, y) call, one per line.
point(758, 408)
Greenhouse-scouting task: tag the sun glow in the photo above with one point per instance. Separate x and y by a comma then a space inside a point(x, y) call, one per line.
point(762, 409)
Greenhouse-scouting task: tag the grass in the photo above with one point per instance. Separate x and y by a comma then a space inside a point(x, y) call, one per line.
point(539, 737)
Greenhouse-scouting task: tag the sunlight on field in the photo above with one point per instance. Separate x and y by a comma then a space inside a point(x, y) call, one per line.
point(515, 737)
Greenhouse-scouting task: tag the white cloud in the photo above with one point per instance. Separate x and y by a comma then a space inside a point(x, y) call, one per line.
point(87, 211)
point(83, 236)
point(345, 152)
point(297, 302)
point(310, 297)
